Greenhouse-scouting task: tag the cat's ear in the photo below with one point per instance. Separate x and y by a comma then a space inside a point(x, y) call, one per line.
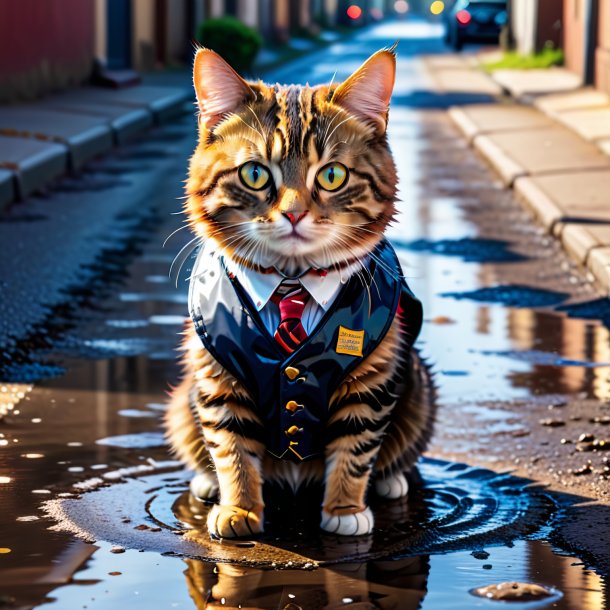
point(366, 93)
point(220, 90)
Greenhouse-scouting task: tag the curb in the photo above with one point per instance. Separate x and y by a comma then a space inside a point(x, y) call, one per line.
point(42, 141)
point(508, 169)
point(564, 192)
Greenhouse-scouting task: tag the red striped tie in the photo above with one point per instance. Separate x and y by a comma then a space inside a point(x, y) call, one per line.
point(291, 299)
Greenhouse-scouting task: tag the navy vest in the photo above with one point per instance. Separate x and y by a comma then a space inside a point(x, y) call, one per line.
point(292, 392)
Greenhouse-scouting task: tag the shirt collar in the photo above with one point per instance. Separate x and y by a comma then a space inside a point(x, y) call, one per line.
point(260, 286)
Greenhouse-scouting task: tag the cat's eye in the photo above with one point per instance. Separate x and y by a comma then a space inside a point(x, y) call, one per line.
point(332, 176)
point(254, 175)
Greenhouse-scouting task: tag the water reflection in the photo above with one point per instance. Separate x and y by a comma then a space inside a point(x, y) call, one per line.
point(380, 584)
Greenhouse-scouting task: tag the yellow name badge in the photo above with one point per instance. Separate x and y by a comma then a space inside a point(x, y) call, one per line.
point(350, 342)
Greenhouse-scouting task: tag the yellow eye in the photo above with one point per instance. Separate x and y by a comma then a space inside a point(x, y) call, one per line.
point(332, 176)
point(254, 175)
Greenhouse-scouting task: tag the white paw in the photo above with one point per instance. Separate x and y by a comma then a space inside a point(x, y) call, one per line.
point(204, 485)
point(395, 486)
point(355, 524)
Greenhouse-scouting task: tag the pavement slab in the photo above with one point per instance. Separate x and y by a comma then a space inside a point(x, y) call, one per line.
point(561, 197)
point(465, 80)
point(525, 83)
point(477, 119)
point(124, 121)
point(85, 136)
point(530, 152)
point(33, 163)
point(580, 99)
point(592, 123)
point(163, 102)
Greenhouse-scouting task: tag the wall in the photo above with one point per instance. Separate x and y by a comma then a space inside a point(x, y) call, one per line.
point(602, 54)
point(44, 46)
point(574, 13)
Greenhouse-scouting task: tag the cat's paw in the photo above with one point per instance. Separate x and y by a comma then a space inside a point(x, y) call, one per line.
point(204, 485)
point(393, 487)
point(234, 522)
point(354, 524)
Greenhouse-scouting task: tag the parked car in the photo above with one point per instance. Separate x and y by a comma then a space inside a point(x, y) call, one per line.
point(474, 21)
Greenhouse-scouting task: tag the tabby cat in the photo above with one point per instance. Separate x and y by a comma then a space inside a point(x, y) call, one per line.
point(298, 363)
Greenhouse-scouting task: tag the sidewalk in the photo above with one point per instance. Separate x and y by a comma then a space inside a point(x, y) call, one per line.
point(44, 140)
point(549, 140)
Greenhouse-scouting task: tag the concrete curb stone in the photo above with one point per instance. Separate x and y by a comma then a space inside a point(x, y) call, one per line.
point(7, 187)
point(65, 131)
point(125, 122)
point(34, 163)
point(84, 136)
point(508, 168)
point(599, 264)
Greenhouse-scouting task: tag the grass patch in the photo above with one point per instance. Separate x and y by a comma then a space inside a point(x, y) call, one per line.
point(512, 60)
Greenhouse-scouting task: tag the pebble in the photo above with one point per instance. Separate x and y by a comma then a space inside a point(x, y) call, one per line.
point(117, 549)
point(552, 423)
point(513, 591)
point(586, 437)
point(480, 554)
point(586, 469)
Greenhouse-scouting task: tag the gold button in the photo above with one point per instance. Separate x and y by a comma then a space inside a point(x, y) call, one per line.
point(293, 405)
point(292, 430)
point(291, 372)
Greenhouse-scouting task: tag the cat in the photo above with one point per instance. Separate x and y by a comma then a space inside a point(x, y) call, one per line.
point(290, 190)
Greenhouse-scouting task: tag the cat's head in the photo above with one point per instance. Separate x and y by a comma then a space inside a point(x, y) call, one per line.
point(292, 176)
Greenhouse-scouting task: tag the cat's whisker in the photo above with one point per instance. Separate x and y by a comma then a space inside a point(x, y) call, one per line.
point(258, 121)
point(183, 255)
point(187, 226)
point(349, 118)
point(256, 131)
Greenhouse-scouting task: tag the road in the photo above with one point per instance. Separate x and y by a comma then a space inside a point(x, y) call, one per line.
point(91, 355)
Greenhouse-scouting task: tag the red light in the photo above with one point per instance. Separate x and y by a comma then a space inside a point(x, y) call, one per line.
point(354, 11)
point(463, 17)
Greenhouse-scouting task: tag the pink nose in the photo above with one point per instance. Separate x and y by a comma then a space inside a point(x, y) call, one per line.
point(294, 218)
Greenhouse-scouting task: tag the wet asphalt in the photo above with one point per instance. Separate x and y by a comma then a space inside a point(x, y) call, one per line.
point(94, 513)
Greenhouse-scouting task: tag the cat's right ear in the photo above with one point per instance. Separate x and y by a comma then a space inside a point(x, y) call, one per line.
point(220, 90)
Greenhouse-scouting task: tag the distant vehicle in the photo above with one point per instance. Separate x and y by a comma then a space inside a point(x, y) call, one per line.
point(474, 21)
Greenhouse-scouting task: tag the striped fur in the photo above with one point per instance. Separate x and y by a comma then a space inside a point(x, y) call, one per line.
point(381, 415)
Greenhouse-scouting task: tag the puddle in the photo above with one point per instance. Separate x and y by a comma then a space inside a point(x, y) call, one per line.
point(512, 296)
point(458, 507)
point(467, 248)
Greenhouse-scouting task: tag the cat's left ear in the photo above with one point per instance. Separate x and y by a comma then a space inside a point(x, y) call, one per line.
point(366, 93)
point(220, 90)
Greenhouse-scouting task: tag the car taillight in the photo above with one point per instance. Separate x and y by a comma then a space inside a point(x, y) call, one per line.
point(463, 17)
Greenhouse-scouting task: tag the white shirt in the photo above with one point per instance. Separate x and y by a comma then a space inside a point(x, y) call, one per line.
point(261, 286)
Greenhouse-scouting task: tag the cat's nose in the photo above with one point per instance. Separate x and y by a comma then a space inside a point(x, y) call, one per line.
point(294, 218)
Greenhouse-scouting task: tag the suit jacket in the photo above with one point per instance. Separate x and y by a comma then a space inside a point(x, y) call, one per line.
point(291, 392)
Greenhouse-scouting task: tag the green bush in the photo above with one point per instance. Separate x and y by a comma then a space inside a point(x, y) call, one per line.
point(232, 40)
point(549, 56)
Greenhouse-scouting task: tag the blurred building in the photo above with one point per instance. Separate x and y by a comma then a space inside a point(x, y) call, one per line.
point(47, 45)
point(580, 27)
